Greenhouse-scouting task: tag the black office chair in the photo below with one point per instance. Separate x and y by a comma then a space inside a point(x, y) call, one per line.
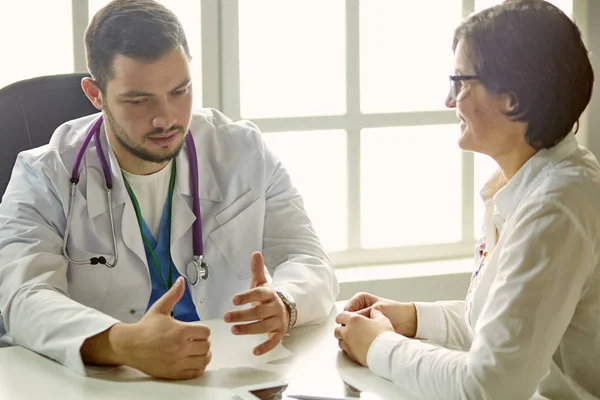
point(30, 111)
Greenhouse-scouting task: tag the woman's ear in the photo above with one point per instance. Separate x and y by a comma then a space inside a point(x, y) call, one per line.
point(508, 102)
point(92, 91)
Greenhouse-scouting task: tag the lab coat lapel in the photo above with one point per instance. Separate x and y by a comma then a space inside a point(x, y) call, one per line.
point(183, 214)
point(97, 202)
point(91, 167)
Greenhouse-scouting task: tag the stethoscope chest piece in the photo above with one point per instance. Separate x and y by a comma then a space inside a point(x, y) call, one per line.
point(196, 270)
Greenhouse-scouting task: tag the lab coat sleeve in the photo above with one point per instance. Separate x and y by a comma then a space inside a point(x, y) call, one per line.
point(529, 307)
point(443, 323)
point(293, 253)
point(34, 296)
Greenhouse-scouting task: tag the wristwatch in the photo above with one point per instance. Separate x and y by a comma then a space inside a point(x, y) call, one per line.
point(290, 303)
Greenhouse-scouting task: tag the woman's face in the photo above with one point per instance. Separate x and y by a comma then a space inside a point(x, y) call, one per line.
point(484, 126)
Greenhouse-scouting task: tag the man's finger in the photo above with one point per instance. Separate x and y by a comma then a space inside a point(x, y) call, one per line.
point(259, 294)
point(269, 344)
point(197, 347)
point(164, 305)
point(196, 331)
point(257, 269)
point(196, 362)
point(264, 326)
point(188, 374)
point(256, 313)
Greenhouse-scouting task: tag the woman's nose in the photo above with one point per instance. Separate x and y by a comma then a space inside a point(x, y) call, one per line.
point(450, 101)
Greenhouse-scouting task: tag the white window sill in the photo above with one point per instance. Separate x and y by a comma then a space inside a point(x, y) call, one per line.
point(398, 271)
point(421, 281)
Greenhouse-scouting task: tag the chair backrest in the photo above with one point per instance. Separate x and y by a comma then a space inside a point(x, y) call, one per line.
point(30, 111)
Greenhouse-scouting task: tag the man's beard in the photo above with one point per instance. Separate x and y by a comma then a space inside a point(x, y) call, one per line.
point(139, 151)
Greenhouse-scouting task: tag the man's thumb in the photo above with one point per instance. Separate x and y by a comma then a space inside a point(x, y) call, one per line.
point(165, 304)
point(257, 268)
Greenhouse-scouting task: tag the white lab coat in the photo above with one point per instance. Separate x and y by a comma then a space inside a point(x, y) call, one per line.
point(247, 203)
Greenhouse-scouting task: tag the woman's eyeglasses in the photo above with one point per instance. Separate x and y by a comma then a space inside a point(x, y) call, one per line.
point(456, 83)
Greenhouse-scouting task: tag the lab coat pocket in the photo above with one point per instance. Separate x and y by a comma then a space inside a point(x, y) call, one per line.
point(88, 283)
point(236, 207)
point(239, 237)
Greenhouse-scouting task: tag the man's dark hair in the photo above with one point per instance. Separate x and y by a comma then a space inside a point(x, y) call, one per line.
point(140, 29)
point(531, 50)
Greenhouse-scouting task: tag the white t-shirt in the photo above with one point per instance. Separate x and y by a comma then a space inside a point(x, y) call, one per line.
point(530, 326)
point(151, 192)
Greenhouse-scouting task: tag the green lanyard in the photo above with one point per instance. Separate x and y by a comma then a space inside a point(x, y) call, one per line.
point(138, 214)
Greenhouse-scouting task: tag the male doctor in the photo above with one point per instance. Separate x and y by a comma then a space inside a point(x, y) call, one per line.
point(138, 312)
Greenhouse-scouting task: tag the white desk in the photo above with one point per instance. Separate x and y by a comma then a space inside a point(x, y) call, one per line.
point(317, 367)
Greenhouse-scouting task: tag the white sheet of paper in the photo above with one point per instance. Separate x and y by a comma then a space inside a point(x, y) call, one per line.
point(232, 351)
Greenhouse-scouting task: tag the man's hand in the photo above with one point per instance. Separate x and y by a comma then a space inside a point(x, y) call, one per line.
point(403, 316)
point(161, 346)
point(357, 332)
point(268, 310)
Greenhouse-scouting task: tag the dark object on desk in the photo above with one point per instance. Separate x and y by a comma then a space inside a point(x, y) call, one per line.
point(30, 111)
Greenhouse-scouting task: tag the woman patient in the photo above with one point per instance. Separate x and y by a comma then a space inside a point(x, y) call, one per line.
point(530, 323)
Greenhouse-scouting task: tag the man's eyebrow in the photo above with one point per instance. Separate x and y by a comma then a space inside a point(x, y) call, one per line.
point(181, 85)
point(137, 93)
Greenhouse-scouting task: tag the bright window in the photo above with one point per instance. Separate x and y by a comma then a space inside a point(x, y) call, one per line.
point(407, 199)
point(398, 73)
point(565, 5)
point(35, 43)
point(319, 173)
point(292, 64)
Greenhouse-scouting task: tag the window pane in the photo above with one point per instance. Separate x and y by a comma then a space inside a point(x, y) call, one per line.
point(40, 43)
point(316, 161)
point(411, 186)
point(398, 71)
point(485, 166)
point(188, 13)
point(565, 5)
point(292, 58)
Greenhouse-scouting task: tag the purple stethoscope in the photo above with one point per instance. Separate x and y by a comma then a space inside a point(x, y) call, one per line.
point(196, 269)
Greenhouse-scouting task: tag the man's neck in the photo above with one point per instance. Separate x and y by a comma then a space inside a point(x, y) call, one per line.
point(135, 166)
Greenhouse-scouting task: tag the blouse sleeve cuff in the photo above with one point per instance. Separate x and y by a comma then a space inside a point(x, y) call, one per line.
point(431, 322)
point(379, 356)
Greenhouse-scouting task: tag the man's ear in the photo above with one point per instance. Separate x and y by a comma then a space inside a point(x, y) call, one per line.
point(92, 91)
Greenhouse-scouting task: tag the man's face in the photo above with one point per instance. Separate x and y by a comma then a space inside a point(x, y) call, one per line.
point(148, 107)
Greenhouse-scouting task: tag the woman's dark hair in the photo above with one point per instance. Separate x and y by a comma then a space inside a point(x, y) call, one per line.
point(141, 29)
point(534, 52)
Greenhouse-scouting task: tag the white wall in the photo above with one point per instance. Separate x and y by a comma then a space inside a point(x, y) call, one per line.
point(426, 281)
point(587, 15)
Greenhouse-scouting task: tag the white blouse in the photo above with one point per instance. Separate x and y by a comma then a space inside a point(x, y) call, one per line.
point(530, 324)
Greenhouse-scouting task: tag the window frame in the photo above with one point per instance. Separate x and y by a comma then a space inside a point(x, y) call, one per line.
point(352, 122)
